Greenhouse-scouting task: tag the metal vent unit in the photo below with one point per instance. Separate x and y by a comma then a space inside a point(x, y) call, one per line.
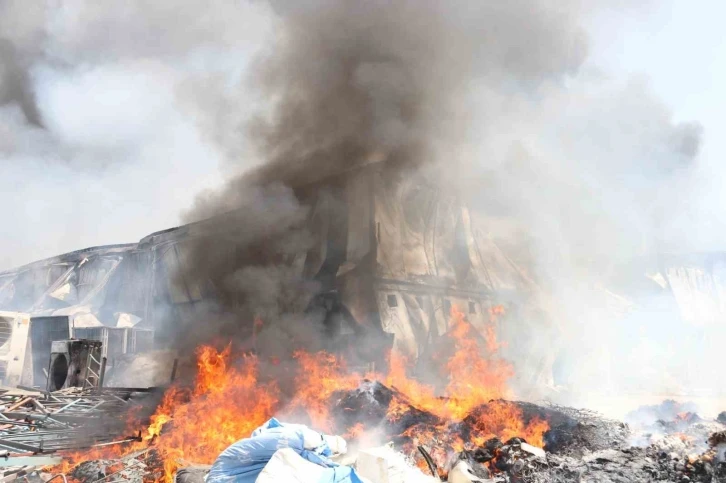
point(43, 331)
point(6, 334)
point(74, 363)
point(113, 339)
point(139, 340)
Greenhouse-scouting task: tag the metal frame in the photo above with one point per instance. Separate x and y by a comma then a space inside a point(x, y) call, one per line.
point(42, 423)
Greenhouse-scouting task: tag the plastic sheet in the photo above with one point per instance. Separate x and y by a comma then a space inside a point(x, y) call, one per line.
point(244, 460)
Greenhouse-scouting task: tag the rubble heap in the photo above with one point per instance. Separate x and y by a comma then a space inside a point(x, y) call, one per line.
point(37, 426)
point(579, 446)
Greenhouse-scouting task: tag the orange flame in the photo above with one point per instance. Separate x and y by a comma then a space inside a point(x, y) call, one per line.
point(226, 404)
point(474, 379)
point(419, 395)
point(228, 401)
point(477, 378)
point(319, 376)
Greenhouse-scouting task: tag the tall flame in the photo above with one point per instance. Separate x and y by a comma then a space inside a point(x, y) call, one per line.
point(225, 405)
point(319, 376)
point(477, 381)
point(475, 376)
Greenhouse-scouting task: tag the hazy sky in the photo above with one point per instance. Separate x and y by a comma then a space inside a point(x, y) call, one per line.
point(680, 48)
point(677, 45)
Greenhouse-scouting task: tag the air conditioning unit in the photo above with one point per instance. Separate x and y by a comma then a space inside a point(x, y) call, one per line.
point(7, 322)
point(74, 363)
point(14, 354)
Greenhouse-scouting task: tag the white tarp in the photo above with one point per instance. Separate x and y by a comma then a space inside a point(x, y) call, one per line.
point(386, 465)
point(286, 465)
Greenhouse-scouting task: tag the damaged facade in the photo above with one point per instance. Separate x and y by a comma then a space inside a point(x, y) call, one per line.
point(399, 253)
point(392, 255)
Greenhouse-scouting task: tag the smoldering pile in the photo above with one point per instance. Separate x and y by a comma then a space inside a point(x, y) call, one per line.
point(578, 446)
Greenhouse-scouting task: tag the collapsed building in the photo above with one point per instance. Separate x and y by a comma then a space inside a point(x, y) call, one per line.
point(392, 254)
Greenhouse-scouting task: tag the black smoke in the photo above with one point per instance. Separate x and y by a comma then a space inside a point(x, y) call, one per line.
point(342, 84)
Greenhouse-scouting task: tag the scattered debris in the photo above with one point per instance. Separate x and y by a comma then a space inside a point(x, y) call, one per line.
point(463, 473)
point(134, 468)
point(579, 446)
point(533, 450)
point(717, 438)
point(37, 426)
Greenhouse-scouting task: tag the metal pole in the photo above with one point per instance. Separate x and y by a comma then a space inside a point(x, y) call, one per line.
point(102, 376)
point(173, 370)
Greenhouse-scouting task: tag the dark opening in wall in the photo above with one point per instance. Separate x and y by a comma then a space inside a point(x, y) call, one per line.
point(392, 301)
point(472, 308)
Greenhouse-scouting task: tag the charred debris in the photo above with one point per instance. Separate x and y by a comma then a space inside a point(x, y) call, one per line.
point(40, 428)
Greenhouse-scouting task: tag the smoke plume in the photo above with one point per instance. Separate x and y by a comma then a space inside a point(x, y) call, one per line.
point(111, 110)
point(493, 101)
point(346, 83)
point(103, 112)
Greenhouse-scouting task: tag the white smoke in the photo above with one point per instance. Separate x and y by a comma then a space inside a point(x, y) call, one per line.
point(106, 113)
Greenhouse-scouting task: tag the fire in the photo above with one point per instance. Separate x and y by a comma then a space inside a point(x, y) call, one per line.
point(474, 379)
point(354, 431)
point(419, 395)
point(319, 376)
point(228, 400)
point(504, 420)
point(226, 403)
point(477, 381)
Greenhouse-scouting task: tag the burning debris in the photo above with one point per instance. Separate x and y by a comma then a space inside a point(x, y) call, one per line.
point(353, 290)
point(579, 445)
point(462, 435)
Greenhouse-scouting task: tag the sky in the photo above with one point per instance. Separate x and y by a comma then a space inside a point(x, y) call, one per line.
point(676, 46)
point(679, 48)
point(682, 51)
